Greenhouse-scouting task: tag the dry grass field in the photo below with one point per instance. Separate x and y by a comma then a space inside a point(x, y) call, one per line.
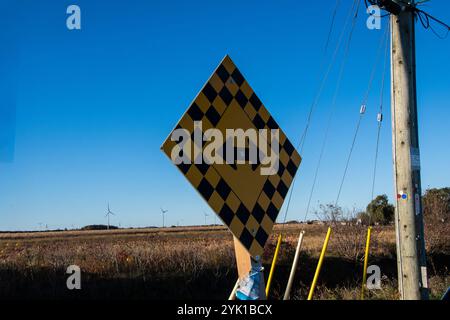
point(193, 263)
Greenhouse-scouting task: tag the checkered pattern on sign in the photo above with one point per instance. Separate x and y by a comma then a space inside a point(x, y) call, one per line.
point(247, 202)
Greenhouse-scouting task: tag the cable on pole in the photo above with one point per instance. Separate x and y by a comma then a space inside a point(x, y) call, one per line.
point(361, 113)
point(319, 91)
point(398, 6)
point(333, 104)
point(330, 31)
point(324, 79)
point(425, 18)
point(380, 115)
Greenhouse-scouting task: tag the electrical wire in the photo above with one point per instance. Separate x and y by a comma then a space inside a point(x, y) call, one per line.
point(425, 18)
point(380, 117)
point(330, 31)
point(323, 81)
point(320, 89)
point(332, 108)
point(380, 121)
point(422, 16)
point(361, 114)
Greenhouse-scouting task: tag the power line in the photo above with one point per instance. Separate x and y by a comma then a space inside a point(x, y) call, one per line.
point(319, 91)
point(324, 79)
point(425, 18)
point(398, 6)
point(341, 72)
point(330, 31)
point(361, 114)
point(380, 115)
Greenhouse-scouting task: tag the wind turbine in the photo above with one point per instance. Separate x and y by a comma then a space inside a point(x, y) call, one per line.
point(163, 214)
point(108, 214)
point(206, 215)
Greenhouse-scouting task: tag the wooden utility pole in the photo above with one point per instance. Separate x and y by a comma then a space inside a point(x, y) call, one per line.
point(411, 258)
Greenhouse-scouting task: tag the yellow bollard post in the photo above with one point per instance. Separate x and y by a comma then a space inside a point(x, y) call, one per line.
point(319, 265)
point(366, 258)
point(272, 268)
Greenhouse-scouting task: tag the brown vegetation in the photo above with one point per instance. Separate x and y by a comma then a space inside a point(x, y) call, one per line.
point(194, 262)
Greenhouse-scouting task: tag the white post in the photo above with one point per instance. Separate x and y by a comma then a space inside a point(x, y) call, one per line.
point(233, 293)
point(294, 267)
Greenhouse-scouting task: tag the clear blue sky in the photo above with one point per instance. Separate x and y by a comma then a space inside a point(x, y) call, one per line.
point(83, 113)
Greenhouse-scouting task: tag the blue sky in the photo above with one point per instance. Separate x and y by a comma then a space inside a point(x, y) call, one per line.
point(83, 113)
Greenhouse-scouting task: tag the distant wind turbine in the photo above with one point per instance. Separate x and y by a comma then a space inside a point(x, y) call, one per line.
point(163, 215)
point(206, 215)
point(108, 214)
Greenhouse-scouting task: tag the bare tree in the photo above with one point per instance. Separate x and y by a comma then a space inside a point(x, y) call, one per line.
point(348, 237)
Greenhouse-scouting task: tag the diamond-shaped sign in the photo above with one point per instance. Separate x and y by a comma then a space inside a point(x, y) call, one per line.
point(247, 201)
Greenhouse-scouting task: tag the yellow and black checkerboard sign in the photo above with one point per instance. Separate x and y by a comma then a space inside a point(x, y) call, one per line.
point(246, 201)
